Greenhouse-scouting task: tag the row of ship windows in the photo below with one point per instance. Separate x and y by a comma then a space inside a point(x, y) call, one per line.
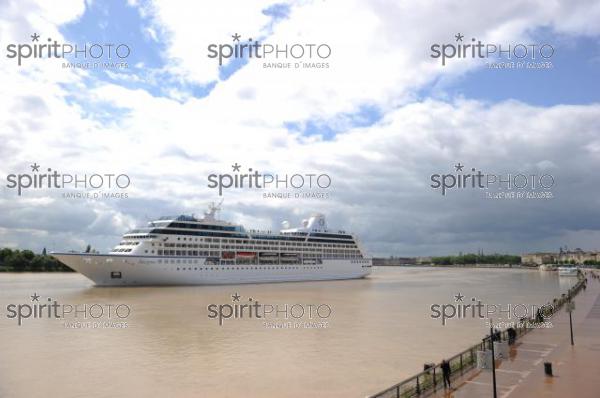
point(141, 236)
point(304, 246)
point(252, 250)
point(217, 254)
point(242, 268)
point(360, 261)
point(223, 262)
point(245, 241)
point(194, 253)
point(299, 246)
point(252, 244)
point(187, 226)
point(343, 254)
point(243, 244)
point(161, 252)
point(257, 247)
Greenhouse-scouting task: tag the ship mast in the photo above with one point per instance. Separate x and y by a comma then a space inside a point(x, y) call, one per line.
point(212, 210)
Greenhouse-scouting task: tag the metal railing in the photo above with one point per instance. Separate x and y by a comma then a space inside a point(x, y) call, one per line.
point(431, 379)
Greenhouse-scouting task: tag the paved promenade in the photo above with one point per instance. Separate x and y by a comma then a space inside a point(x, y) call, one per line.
point(576, 368)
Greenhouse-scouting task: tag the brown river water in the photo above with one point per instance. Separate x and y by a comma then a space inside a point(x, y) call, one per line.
point(341, 338)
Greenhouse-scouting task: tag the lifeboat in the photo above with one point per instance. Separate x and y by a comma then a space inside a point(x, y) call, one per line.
point(289, 257)
point(228, 255)
point(246, 255)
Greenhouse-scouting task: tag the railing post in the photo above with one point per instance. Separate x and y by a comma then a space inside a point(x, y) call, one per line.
point(461, 364)
point(434, 381)
point(418, 387)
point(398, 391)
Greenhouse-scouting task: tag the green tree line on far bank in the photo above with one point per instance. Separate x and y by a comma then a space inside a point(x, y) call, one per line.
point(477, 259)
point(27, 261)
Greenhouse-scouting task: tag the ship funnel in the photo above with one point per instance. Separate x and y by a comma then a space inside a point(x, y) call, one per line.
point(317, 222)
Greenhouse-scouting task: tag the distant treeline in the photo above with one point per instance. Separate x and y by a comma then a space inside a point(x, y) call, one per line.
point(27, 261)
point(477, 259)
point(592, 262)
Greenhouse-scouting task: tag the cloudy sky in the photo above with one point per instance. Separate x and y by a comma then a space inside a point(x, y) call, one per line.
point(380, 120)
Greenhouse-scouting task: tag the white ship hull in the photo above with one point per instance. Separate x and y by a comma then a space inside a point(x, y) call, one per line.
point(129, 270)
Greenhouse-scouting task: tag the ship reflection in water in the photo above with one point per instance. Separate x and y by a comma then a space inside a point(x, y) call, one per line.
point(378, 331)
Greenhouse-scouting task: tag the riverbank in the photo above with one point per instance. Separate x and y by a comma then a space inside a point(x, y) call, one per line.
point(390, 264)
point(575, 367)
point(13, 260)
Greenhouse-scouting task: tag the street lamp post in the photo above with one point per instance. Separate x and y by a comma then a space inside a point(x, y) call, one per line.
point(570, 308)
point(493, 358)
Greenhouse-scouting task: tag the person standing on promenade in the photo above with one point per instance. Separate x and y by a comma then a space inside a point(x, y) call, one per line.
point(445, 366)
point(512, 335)
point(539, 317)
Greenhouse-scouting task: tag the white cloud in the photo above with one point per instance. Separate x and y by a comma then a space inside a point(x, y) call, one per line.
point(188, 28)
point(380, 49)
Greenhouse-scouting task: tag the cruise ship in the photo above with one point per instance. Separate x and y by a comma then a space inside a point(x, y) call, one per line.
point(185, 250)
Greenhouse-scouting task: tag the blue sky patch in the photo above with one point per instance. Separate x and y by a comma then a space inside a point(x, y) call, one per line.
point(573, 78)
point(365, 116)
point(115, 22)
point(277, 11)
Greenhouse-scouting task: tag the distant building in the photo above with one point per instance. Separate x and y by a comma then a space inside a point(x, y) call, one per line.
point(538, 258)
point(576, 256)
